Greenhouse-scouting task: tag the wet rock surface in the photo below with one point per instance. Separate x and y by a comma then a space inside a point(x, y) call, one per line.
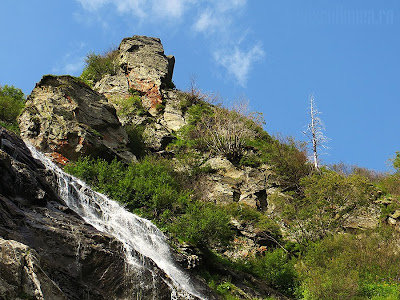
point(48, 251)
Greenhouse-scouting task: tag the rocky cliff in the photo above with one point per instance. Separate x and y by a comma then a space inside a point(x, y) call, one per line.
point(48, 251)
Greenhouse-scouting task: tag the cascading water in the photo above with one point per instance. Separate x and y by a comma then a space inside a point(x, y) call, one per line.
point(140, 238)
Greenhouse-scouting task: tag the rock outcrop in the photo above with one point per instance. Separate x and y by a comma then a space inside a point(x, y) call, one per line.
point(143, 67)
point(66, 118)
point(229, 184)
point(47, 251)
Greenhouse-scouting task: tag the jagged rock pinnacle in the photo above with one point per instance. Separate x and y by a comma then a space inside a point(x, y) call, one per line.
point(143, 67)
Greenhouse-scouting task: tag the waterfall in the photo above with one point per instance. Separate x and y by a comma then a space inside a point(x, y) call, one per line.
point(141, 239)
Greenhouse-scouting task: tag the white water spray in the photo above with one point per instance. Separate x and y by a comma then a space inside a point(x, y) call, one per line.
point(141, 239)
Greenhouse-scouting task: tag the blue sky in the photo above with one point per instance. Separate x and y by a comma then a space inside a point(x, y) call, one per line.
point(275, 53)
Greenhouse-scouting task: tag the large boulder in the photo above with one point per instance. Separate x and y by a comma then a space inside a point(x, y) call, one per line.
point(65, 117)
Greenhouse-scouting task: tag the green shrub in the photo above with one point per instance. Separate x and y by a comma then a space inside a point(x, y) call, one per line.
point(150, 185)
point(99, 65)
point(381, 291)
point(152, 188)
point(131, 105)
point(12, 101)
point(204, 224)
point(396, 161)
point(259, 221)
point(160, 107)
point(390, 184)
point(329, 200)
point(287, 157)
point(219, 131)
point(352, 267)
point(277, 269)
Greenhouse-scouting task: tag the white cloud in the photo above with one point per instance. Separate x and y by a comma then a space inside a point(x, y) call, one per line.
point(207, 22)
point(73, 61)
point(171, 8)
point(141, 8)
point(239, 62)
point(74, 67)
point(228, 5)
point(218, 21)
point(92, 4)
point(69, 65)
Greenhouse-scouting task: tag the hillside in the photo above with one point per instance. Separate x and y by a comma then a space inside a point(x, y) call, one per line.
point(246, 213)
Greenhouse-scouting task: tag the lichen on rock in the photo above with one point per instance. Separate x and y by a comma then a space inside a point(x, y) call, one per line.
point(66, 117)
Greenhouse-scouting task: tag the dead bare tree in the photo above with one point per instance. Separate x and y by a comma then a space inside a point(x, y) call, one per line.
point(314, 132)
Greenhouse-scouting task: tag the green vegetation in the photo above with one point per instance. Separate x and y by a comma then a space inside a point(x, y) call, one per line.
point(315, 256)
point(287, 157)
point(277, 269)
point(352, 267)
point(152, 189)
point(99, 65)
point(329, 200)
point(12, 101)
point(256, 219)
point(131, 105)
point(217, 130)
point(204, 224)
point(136, 142)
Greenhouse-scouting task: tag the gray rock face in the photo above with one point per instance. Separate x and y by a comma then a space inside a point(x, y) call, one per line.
point(173, 118)
point(231, 184)
point(48, 252)
point(65, 117)
point(22, 276)
point(143, 67)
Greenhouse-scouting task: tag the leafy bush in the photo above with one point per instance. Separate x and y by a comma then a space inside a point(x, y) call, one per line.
point(381, 291)
point(352, 267)
point(150, 185)
point(99, 65)
point(204, 224)
point(219, 130)
point(329, 200)
point(259, 221)
point(152, 188)
point(390, 183)
point(396, 161)
point(12, 101)
point(277, 269)
point(289, 161)
point(131, 105)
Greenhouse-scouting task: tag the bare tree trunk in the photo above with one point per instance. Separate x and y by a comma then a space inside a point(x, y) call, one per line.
point(314, 132)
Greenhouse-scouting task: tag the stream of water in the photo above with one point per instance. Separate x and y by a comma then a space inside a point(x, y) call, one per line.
point(141, 239)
